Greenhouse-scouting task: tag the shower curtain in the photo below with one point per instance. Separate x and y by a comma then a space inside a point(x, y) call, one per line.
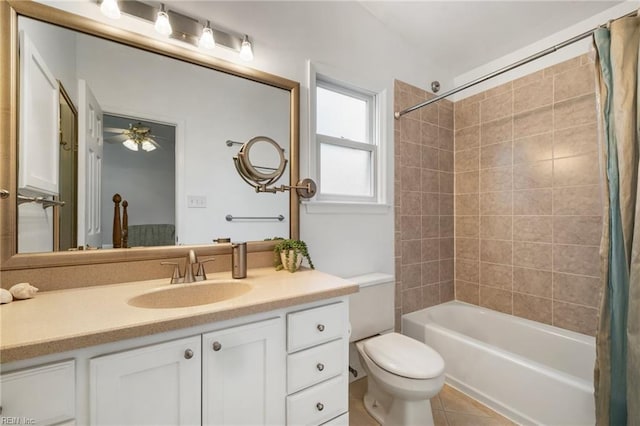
point(617, 371)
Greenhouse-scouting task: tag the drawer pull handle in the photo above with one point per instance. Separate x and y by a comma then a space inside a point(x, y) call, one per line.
point(188, 354)
point(217, 346)
point(320, 366)
point(320, 327)
point(320, 406)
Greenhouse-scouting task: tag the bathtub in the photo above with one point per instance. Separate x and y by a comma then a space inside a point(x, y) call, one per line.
point(530, 372)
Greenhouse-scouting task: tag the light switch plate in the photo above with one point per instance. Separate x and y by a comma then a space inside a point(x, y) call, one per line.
point(196, 201)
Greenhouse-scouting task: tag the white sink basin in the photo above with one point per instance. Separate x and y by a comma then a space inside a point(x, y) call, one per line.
point(193, 294)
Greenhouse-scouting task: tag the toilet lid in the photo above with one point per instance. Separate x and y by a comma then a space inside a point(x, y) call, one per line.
point(404, 356)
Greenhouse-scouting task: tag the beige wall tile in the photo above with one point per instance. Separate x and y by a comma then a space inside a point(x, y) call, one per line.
point(533, 148)
point(496, 203)
point(410, 227)
point(447, 248)
point(447, 291)
point(467, 248)
point(467, 115)
point(496, 251)
point(574, 171)
point(430, 203)
point(445, 117)
point(429, 180)
point(447, 269)
point(574, 112)
point(445, 139)
point(409, 130)
point(430, 295)
point(532, 307)
point(532, 202)
point(467, 138)
point(496, 131)
point(410, 201)
point(446, 183)
point(468, 182)
point(446, 204)
point(467, 160)
point(496, 299)
point(429, 134)
point(410, 154)
point(575, 317)
point(537, 229)
point(533, 175)
point(584, 230)
point(445, 160)
point(577, 289)
point(498, 179)
point(533, 122)
point(532, 281)
point(430, 249)
point(412, 300)
point(430, 272)
point(532, 255)
point(575, 141)
point(471, 99)
point(503, 88)
point(429, 156)
point(577, 200)
point(467, 204)
point(528, 79)
point(430, 226)
point(446, 226)
point(410, 179)
point(411, 251)
point(574, 82)
point(496, 155)
point(429, 114)
point(562, 66)
point(580, 260)
point(534, 95)
point(411, 276)
point(467, 292)
point(467, 226)
point(496, 107)
point(496, 227)
point(467, 270)
point(493, 275)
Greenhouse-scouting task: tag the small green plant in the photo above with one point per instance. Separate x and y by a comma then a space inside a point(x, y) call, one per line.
point(297, 247)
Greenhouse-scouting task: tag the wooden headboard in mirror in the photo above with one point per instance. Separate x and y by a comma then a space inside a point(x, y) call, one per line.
point(15, 16)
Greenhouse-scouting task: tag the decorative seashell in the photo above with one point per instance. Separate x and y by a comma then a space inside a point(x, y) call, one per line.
point(23, 291)
point(5, 296)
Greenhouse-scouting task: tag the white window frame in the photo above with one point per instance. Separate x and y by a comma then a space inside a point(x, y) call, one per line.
point(373, 134)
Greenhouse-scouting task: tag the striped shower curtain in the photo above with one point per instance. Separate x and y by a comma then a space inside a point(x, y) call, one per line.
point(617, 371)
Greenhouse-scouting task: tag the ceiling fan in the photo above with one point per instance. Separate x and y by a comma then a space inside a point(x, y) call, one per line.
point(135, 137)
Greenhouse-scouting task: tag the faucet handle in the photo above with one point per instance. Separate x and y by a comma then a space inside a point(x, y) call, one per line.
point(176, 277)
point(201, 275)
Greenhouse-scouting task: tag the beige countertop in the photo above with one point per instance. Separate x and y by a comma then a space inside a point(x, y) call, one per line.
point(63, 320)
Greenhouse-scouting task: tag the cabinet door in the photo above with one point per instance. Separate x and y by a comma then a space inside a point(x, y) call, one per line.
point(154, 385)
point(243, 377)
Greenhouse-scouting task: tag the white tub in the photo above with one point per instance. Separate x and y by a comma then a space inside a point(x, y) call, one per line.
point(532, 373)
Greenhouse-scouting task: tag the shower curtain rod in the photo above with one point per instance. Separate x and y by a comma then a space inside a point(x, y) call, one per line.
point(521, 62)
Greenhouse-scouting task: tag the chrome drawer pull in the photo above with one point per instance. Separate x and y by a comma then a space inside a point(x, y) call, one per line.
point(188, 354)
point(320, 327)
point(217, 346)
point(320, 406)
point(320, 366)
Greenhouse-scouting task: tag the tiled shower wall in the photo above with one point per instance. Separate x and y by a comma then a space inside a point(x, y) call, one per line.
point(527, 198)
point(424, 236)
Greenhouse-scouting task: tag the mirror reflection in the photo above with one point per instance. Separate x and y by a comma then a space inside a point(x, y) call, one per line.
point(181, 180)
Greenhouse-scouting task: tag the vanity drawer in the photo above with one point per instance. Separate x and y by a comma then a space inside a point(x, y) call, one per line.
point(315, 326)
point(314, 365)
point(319, 403)
point(46, 394)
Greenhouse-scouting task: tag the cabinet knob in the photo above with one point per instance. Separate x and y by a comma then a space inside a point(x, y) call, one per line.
point(217, 346)
point(320, 366)
point(320, 406)
point(188, 354)
point(320, 327)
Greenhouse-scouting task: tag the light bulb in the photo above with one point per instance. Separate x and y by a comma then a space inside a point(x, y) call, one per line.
point(246, 51)
point(206, 39)
point(148, 146)
point(110, 9)
point(130, 144)
point(163, 26)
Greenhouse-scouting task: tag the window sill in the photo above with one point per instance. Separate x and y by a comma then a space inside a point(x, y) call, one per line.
point(341, 207)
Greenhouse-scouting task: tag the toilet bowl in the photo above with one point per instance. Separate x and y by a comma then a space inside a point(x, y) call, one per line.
point(403, 374)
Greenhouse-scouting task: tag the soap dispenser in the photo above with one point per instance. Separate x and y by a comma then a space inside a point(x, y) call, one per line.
point(239, 260)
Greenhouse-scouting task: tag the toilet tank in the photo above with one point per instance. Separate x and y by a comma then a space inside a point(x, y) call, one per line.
point(372, 309)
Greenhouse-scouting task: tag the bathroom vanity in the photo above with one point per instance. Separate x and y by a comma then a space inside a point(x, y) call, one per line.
point(276, 354)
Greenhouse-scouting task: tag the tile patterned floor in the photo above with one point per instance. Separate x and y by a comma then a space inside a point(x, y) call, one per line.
point(450, 408)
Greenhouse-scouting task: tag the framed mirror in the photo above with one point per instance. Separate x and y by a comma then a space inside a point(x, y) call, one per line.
point(224, 106)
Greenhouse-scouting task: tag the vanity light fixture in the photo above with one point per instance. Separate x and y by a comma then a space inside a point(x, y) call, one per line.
point(246, 50)
point(206, 39)
point(163, 26)
point(110, 9)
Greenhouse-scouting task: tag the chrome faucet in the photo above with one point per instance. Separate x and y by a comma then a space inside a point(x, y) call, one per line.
point(191, 262)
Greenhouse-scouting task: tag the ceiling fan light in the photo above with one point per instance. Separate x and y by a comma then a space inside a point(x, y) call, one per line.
point(206, 39)
point(246, 50)
point(163, 26)
point(148, 146)
point(130, 144)
point(110, 9)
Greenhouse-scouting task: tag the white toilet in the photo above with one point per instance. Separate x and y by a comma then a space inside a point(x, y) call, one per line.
point(403, 373)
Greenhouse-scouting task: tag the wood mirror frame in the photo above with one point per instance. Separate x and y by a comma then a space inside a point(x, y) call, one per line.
point(10, 259)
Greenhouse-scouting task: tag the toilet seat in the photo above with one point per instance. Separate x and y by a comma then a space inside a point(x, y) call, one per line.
point(404, 356)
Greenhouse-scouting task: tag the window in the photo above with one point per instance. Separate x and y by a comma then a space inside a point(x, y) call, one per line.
point(346, 143)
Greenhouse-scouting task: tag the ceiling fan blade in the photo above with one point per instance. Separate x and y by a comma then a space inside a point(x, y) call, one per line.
point(116, 139)
point(113, 130)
